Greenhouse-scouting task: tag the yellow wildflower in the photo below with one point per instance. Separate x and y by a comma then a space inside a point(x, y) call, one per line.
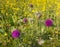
point(11, 4)
point(7, 2)
point(16, 9)
point(33, 11)
point(5, 34)
point(6, 14)
point(2, 11)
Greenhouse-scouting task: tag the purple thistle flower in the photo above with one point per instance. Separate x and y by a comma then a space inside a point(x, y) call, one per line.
point(31, 5)
point(48, 22)
point(24, 20)
point(15, 34)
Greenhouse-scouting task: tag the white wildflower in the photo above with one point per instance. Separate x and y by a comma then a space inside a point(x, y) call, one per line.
point(38, 14)
point(40, 41)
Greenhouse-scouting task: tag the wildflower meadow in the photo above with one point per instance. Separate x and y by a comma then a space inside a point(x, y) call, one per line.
point(29, 23)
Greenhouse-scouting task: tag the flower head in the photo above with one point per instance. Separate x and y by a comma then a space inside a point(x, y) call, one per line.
point(31, 5)
point(48, 22)
point(38, 14)
point(31, 20)
point(41, 41)
point(24, 20)
point(15, 34)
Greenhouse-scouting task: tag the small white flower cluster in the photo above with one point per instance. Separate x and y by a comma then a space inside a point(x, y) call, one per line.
point(30, 20)
point(40, 41)
point(38, 14)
